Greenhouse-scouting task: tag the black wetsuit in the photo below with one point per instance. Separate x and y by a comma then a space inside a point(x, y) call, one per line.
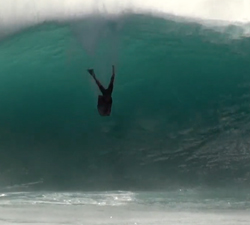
point(104, 105)
point(105, 100)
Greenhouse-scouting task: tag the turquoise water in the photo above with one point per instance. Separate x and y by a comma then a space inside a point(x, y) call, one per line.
point(180, 105)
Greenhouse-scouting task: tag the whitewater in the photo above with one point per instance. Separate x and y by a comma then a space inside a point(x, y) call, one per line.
point(27, 12)
point(176, 148)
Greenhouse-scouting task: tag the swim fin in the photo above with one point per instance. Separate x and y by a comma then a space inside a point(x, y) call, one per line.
point(91, 72)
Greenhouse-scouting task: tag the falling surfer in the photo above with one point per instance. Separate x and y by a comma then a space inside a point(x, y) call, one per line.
point(104, 100)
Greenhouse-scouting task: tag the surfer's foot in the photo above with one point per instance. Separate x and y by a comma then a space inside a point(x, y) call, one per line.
point(91, 72)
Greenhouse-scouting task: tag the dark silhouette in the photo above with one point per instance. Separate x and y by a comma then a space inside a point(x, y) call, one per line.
point(104, 100)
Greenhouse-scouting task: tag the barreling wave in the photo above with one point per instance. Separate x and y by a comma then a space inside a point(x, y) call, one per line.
point(181, 99)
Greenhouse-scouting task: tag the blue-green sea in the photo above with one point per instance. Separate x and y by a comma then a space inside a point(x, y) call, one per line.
point(175, 149)
point(181, 105)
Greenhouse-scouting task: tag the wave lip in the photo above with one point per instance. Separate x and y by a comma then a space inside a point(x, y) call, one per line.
point(28, 12)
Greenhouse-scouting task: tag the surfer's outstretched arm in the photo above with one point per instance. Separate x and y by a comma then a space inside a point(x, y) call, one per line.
point(111, 84)
point(92, 73)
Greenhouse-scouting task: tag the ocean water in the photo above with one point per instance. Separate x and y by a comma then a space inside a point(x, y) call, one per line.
point(123, 207)
point(178, 137)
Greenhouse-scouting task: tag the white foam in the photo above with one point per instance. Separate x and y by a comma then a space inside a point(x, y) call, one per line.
point(28, 12)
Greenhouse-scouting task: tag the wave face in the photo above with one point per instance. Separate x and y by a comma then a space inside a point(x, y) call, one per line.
point(180, 105)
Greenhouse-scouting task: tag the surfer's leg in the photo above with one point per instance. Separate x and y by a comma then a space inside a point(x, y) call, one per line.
point(92, 73)
point(111, 84)
point(102, 89)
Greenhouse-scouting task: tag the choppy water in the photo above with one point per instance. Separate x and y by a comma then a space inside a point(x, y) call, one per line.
point(172, 207)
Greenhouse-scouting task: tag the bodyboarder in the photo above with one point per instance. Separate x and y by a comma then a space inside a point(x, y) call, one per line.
point(105, 100)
